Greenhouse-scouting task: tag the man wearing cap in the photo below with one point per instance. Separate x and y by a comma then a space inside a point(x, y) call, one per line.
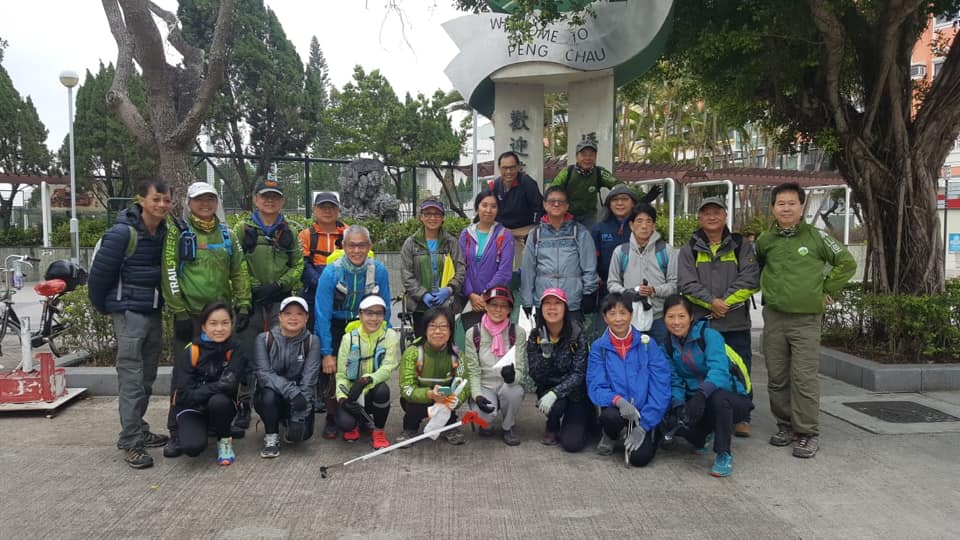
point(519, 201)
point(274, 261)
point(718, 272)
point(323, 237)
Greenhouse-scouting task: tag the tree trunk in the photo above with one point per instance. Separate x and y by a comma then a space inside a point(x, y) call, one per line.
point(176, 168)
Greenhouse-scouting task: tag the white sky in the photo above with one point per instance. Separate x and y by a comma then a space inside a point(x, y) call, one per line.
point(47, 36)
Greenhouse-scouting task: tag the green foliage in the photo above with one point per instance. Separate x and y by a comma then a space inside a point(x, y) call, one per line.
point(87, 330)
point(683, 227)
point(367, 117)
point(16, 237)
point(91, 229)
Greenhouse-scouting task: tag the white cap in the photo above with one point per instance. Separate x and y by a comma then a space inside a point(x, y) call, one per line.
point(294, 300)
point(200, 188)
point(372, 300)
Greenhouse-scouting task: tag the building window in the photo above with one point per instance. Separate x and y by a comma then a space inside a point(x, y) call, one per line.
point(918, 71)
point(944, 20)
point(937, 66)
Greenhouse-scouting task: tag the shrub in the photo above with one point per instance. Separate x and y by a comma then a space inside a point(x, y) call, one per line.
point(91, 229)
point(16, 237)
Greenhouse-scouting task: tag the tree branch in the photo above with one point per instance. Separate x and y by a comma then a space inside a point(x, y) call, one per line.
point(192, 56)
point(833, 34)
point(117, 99)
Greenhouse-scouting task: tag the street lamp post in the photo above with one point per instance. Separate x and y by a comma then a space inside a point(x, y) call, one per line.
point(69, 78)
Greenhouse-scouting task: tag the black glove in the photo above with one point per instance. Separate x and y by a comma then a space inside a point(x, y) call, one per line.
point(652, 195)
point(484, 404)
point(227, 383)
point(298, 403)
point(354, 409)
point(265, 294)
point(588, 304)
point(242, 322)
point(183, 329)
point(509, 374)
point(693, 409)
point(528, 311)
point(357, 388)
point(630, 296)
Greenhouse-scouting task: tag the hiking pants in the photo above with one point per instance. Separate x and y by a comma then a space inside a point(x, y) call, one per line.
point(572, 421)
point(263, 317)
point(327, 381)
point(612, 424)
point(138, 352)
point(377, 405)
point(193, 424)
point(723, 410)
point(791, 348)
point(505, 398)
point(414, 413)
point(739, 340)
point(274, 409)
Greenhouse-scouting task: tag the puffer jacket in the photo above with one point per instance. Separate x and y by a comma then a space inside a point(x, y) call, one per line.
point(332, 304)
point(285, 369)
point(375, 355)
point(272, 260)
point(642, 264)
point(642, 378)
point(191, 383)
point(496, 263)
point(422, 368)
point(607, 235)
point(565, 372)
point(480, 363)
point(118, 283)
point(415, 261)
point(564, 258)
point(703, 276)
point(699, 362)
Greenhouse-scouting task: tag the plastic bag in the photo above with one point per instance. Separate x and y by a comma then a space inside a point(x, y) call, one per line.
point(642, 319)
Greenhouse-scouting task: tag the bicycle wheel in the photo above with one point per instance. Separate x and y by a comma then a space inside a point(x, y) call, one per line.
point(9, 344)
point(58, 333)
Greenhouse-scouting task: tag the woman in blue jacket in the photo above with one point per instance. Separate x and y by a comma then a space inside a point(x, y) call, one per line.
point(706, 397)
point(487, 248)
point(628, 377)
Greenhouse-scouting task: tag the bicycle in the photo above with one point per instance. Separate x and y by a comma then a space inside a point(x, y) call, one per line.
point(406, 324)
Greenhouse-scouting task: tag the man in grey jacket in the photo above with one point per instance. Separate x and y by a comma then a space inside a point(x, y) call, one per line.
point(645, 269)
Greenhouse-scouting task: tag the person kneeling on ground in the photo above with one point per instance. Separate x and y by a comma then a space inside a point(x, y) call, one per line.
point(494, 389)
point(705, 397)
point(287, 365)
point(206, 377)
point(432, 363)
point(628, 377)
point(557, 359)
point(367, 357)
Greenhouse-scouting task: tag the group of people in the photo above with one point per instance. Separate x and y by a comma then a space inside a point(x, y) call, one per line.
point(631, 336)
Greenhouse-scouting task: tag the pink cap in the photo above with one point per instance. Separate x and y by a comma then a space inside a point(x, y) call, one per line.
point(553, 291)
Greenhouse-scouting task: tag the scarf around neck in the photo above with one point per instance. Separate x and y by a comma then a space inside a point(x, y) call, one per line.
point(268, 231)
point(204, 225)
point(495, 330)
point(621, 344)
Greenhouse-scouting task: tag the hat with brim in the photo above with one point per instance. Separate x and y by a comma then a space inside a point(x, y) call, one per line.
point(372, 301)
point(197, 189)
point(432, 203)
point(718, 201)
point(618, 190)
point(498, 292)
point(326, 197)
point(586, 143)
point(555, 292)
point(294, 300)
point(268, 186)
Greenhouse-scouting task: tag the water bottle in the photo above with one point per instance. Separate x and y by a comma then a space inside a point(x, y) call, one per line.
point(17, 278)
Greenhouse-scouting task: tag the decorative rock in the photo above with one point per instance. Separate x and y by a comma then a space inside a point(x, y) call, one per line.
point(362, 194)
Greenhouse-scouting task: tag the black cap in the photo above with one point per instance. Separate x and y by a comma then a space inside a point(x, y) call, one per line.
point(268, 185)
point(326, 197)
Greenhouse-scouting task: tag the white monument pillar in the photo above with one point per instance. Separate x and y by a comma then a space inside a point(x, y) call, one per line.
point(518, 121)
point(590, 103)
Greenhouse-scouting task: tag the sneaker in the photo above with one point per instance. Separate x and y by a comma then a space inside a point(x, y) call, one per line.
point(225, 455)
point(378, 439)
point(330, 431)
point(707, 445)
point(154, 440)
point(172, 448)
point(406, 434)
point(742, 429)
point(352, 435)
point(487, 432)
point(510, 438)
point(806, 446)
point(722, 466)
point(271, 446)
point(138, 458)
point(783, 437)
point(605, 446)
point(549, 439)
point(294, 432)
point(454, 436)
point(242, 420)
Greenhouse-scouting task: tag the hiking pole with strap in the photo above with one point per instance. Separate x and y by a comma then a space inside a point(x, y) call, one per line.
point(470, 417)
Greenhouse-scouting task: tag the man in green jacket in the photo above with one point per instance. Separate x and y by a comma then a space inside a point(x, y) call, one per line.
point(583, 183)
point(274, 261)
point(793, 256)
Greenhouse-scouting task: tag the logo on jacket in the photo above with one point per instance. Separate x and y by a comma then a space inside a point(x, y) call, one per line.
point(802, 250)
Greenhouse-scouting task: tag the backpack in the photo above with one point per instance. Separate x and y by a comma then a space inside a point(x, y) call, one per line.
point(476, 336)
point(738, 369)
point(282, 237)
point(663, 257)
point(500, 236)
point(599, 174)
point(370, 286)
point(131, 244)
point(737, 244)
point(454, 360)
point(187, 243)
point(354, 359)
point(536, 237)
point(315, 241)
point(195, 354)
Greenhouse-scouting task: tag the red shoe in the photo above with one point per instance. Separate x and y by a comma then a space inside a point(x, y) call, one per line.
point(352, 435)
point(378, 439)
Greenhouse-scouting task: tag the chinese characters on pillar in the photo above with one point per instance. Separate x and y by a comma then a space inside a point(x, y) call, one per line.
point(518, 123)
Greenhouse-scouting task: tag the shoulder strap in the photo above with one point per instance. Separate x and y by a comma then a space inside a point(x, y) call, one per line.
point(194, 354)
point(737, 245)
point(476, 338)
point(131, 241)
point(663, 258)
point(513, 334)
point(370, 283)
point(499, 244)
point(269, 339)
point(624, 258)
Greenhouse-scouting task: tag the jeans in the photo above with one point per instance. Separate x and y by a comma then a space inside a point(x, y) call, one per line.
point(138, 353)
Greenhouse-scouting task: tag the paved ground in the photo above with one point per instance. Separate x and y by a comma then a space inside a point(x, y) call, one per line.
point(62, 477)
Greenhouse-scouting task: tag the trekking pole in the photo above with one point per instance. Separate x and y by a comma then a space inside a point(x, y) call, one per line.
point(470, 417)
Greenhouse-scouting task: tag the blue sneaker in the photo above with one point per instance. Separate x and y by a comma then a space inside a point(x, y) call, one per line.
point(225, 455)
point(723, 466)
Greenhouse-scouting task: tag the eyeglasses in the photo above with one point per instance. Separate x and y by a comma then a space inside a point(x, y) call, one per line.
point(375, 313)
point(438, 327)
point(556, 202)
point(433, 215)
point(508, 168)
point(356, 245)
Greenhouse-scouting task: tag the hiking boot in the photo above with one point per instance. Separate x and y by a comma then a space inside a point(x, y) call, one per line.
point(486, 432)
point(722, 466)
point(172, 448)
point(605, 446)
point(137, 457)
point(242, 420)
point(271, 446)
point(154, 440)
point(330, 431)
point(510, 438)
point(352, 435)
point(549, 439)
point(454, 436)
point(806, 446)
point(378, 439)
point(406, 434)
point(225, 455)
point(742, 429)
point(783, 437)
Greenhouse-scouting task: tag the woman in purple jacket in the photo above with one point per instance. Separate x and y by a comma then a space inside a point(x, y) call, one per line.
point(487, 248)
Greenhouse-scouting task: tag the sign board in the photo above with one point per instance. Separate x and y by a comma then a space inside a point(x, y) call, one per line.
point(954, 243)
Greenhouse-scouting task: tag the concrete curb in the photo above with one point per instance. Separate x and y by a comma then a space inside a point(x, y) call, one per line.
point(102, 381)
point(878, 377)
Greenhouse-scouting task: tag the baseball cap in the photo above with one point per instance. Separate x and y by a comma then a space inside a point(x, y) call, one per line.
point(432, 203)
point(326, 197)
point(267, 186)
point(712, 200)
point(498, 292)
point(586, 143)
point(197, 189)
point(294, 300)
point(553, 291)
point(372, 300)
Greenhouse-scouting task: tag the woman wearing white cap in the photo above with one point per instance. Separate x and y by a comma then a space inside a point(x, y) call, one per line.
point(287, 365)
point(368, 355)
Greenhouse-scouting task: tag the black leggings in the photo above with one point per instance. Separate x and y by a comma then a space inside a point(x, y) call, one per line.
point(612, 423)
point(416, 412)
point(192, 424)
point(572, 421)
point(724, 409)
point(327, 381)
point(274, 409)
point(377, 405)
